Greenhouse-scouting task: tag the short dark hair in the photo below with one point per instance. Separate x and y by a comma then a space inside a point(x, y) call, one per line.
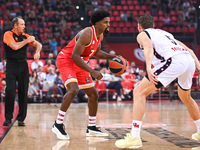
point(99, 15)
point(146, 21)
point(15, 20)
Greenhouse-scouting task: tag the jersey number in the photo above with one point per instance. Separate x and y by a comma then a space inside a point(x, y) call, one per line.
point(171, 40)
point(92, 52)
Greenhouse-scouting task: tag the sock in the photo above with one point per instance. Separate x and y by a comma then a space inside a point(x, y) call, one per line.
point(92, 121)
point(60, 117)
point(197, 122)
point(136, 127)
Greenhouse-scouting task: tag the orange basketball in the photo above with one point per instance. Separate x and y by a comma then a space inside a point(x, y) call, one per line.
point(118, 66)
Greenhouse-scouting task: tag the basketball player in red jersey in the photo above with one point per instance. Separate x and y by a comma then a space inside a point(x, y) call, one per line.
point(72, 64)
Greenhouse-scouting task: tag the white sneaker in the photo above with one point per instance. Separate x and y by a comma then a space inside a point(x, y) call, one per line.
point(114, 97)
point(94, 131)
point(119, 99)
point(59, 130)
point(122, 96)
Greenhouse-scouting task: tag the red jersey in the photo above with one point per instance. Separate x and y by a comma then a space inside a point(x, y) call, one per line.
point(89, 50)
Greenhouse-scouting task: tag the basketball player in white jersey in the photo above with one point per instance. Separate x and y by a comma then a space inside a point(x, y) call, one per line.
point(171, 59)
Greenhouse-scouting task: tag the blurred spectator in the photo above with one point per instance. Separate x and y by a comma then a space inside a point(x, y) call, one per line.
point(50, 78)
point(133, 67)
point(166, 20)
point(34, 84)
point(154, 7)
point(124, 16)
point(61, 85)
point(81, 97)
point(139, 77)
point(104, 64)
point(54, 45)
point(54, 93)
point(46, 67)
point(41, 75)
point(112, 82)
point(2, 64)
point(53, 61)
point(131, 17)
point(36, 64)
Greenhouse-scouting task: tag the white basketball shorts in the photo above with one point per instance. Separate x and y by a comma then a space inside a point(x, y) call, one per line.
point(181, 66)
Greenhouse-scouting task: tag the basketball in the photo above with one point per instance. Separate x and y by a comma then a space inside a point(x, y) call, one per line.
point(118, 66)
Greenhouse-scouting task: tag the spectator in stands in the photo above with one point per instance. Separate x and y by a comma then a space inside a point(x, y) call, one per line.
point(50, 78)
point(104, 64)
point(55, 94)
point(131, 17)
point(34, 84)
point(46, 67)
point(35, 64)
point(54, 45)
point(53, 61)
point(166, 20)
point(34, 80)
point(139, 77)
point(61, 85)
point(112, 82)
point(41, 75)
point(133, 65)
point(154, 7)
point(68, 33)
point(124, 16)
point(129, 77)
point(2, 64)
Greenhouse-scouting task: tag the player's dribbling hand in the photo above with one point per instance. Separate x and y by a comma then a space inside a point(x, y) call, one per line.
point(31, 39)
point(97, 75)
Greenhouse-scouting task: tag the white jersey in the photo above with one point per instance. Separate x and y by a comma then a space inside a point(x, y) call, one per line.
point(164, 45)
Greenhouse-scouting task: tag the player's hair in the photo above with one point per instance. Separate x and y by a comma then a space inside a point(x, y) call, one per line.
point(146, 21)
point(99, 15)
point(15, 20)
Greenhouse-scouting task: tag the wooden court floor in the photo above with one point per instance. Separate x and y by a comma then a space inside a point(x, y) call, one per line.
point(166, 126)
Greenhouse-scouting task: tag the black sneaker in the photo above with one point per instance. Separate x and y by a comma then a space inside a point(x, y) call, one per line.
point(59, 130)
point(94, 131)
point(7, 122)
point(21, 123)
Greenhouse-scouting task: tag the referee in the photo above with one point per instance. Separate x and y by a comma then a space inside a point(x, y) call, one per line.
point(15, 45)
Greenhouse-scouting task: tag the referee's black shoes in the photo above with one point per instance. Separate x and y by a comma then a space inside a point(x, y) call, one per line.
point(21, 123)
point(7, 122)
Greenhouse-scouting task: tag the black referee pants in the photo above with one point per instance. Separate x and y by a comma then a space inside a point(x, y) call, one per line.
point(16, 71)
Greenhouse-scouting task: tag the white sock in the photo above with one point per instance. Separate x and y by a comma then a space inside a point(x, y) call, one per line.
point(136, 127)
point(60, 117)
point(92, 121)
point(197, 122)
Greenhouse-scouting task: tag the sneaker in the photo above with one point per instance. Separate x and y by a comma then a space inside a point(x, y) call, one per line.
point(94, 131)
point(129, 142)
point(119, 99)
point(196, 136)
point(59, 130)
point(7, 122)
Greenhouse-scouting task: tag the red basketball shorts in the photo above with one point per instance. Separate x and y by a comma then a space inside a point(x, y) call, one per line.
point(70, 72)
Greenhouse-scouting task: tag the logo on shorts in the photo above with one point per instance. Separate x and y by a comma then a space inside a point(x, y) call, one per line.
point(87, 79)
point(69, 76)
